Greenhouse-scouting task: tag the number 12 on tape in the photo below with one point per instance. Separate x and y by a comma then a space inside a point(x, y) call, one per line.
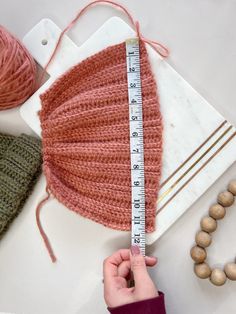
point(136, 143)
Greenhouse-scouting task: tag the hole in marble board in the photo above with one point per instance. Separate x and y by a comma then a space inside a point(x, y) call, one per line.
point(44, 42)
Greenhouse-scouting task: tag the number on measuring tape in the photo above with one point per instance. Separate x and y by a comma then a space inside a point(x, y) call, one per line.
point(136, 144)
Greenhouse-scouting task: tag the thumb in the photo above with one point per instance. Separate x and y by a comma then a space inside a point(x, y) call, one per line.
point(138, 267)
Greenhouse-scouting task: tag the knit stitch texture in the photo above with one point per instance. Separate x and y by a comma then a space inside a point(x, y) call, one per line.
point(85, 137)
point(20, 165)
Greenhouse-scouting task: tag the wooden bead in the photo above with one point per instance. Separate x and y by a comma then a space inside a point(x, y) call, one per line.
point(208, 224)
point(232, 187)
point(217, 211)
point(198, 254)
point(218, 277)
point(225, 198)
point(230, 270)
point(203, 239)
point(203, 270)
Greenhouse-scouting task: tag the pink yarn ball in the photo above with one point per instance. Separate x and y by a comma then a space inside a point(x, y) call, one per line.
point(17, 71)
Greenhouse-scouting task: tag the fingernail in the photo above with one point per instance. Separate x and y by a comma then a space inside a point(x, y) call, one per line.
point(151, 256)
point(135, 250)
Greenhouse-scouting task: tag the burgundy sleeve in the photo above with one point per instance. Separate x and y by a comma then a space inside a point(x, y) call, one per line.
point(151, 306)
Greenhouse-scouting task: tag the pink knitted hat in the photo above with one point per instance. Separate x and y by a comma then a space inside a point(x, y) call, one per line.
point(85, 137)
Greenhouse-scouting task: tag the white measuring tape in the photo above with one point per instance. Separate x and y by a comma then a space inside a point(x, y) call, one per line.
point(136, 143)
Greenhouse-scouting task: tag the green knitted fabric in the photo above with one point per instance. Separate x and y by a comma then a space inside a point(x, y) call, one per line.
point(20, 165)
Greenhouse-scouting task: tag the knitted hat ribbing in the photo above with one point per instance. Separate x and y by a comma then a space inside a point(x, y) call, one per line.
point(20, 165)
point(85, 136)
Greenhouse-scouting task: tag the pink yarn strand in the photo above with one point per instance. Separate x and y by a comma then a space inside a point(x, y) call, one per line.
point(42, 232)
point(159, 48)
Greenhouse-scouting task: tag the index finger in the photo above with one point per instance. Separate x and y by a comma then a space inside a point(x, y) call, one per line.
point(110, 265)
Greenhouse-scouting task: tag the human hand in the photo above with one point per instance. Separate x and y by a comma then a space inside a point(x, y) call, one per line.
point(116, 271)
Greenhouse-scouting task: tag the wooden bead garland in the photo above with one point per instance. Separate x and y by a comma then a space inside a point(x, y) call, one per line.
point(203, 239)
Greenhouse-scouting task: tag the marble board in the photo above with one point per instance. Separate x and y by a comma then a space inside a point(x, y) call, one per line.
point(199, 143)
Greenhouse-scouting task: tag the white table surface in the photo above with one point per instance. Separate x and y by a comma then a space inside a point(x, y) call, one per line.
point(202, 39)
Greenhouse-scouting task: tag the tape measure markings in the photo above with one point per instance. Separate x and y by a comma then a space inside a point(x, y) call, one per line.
point(136, 144)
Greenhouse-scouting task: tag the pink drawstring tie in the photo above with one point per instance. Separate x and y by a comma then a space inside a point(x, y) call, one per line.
point(158, 47)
